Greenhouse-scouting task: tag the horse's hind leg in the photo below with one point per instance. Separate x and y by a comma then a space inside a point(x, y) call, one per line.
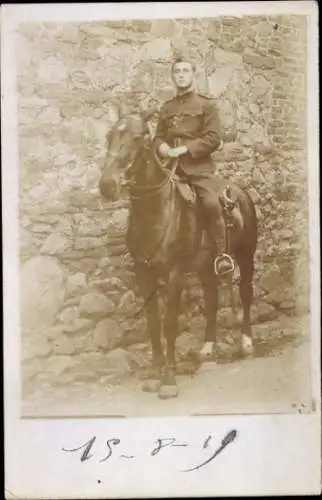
point(246, 267)
point(210, 286)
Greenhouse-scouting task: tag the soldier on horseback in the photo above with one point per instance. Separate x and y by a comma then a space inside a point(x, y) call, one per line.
point(188, 131)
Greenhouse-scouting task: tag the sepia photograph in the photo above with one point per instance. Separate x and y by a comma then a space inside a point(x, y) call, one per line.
point(160, 194)
point(163, 216)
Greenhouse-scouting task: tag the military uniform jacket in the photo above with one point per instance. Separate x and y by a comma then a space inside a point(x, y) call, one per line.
point(192, 118)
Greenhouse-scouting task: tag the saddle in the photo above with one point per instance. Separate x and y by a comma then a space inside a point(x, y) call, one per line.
point(228, 198)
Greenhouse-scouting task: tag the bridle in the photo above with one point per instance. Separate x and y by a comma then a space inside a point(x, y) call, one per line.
point(141, 191)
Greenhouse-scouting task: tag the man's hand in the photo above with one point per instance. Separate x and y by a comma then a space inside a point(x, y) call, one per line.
point(176, 152)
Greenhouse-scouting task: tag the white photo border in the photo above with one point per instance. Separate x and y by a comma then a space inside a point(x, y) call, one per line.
point(272, 454)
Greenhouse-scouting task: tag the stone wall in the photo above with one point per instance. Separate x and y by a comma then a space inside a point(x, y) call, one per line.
point(78, 298)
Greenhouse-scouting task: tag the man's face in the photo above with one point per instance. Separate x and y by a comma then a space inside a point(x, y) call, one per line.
point(183, 75)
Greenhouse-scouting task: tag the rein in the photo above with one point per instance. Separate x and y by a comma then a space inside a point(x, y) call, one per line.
point(157, 188)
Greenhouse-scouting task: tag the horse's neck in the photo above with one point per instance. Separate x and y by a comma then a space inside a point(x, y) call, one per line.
point(151, 192)
point(149, 173)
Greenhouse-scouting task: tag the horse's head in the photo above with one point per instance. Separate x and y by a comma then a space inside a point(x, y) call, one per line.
point(127, 138)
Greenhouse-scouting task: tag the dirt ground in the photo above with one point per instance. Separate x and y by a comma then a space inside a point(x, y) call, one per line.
point(278, 381)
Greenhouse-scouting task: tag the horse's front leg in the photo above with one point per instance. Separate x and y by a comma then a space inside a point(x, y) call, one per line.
point(210, 287)
point(148, 286)
point(169, 388)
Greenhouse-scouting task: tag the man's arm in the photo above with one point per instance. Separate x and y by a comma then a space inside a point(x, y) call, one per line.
point(209, 140)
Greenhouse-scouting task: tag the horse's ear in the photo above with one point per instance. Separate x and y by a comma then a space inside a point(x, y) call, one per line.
point(149, 113)
point(116, 110)
point(113, 113)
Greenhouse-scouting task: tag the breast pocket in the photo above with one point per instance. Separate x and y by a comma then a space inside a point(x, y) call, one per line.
point(192, 120)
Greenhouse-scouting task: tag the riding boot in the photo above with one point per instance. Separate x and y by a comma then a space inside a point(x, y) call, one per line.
point(223, 262)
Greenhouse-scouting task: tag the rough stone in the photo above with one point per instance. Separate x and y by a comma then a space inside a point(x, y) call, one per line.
point(258, 61)
point(108, 334)
point(135, 331)
point(41, 347)
point(79, 325)
point(120, 361)
point(286, 234)
point(271, 279)
point(119, 220)
point(108, 284)
point(68, 315)
point(276, 297)
point(52, 70)
point(163, 28)
point(287, 305)
point(95, 305)
point(34, 344)
point(263, 312)
point(231, 152)
point(160, 48)
point(219, 81)
point(54, 332)
point(226, 58)
point(42, 228)
point(63, 345)
point(86, 264)
point(228, 120)
point(56, 244)
point(104, 262)
point(88, 226)
point(42, 292)
point(89, 366)
point(84, 342)
point(266, 331)
point(76, 283)
point(185, 343)
point(128, 306)
point(55, 366)
point(83, 243)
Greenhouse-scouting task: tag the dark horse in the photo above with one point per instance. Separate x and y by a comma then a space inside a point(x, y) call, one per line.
point(164, 238)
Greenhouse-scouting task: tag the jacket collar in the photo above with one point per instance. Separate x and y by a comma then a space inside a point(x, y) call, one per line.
point(185, 95)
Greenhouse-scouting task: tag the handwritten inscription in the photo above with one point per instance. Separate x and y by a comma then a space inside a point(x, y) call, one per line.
point(86, 449)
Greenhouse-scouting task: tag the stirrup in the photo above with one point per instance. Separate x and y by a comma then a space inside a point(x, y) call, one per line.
point(228, 259)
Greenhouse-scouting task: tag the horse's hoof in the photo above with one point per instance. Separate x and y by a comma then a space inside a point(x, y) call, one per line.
point(168, 391)
point(151, 386)
point(247, 347)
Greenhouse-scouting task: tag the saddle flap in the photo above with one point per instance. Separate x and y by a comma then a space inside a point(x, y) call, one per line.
point(187, 192)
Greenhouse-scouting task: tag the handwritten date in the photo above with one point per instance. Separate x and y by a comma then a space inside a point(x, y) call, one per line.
point(86, 449)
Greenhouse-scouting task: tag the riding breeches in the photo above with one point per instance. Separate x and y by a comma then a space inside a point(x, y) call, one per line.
point(207, 188)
